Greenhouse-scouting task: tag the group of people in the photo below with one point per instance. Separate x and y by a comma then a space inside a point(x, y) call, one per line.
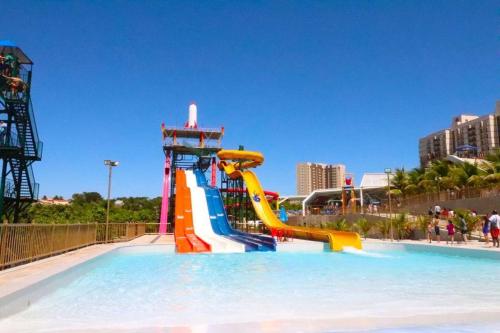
point(442, 212)
point(490, 226)
point(9, 74)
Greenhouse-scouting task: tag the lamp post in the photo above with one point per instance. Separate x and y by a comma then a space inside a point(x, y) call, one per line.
point(388, 172)
point(110, 164)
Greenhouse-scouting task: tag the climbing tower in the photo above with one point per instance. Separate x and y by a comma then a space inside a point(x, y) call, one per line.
point(19, 142)
point(186, 147)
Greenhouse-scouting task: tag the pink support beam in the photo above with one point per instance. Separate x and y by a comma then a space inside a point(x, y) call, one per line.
point(166, 195)
point(214, 173)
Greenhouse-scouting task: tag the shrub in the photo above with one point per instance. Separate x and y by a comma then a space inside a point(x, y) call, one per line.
point(341, 225)
point(384, 227)
point(363, 226)
point(421, 223)
point(402, 226)
point(471, 221)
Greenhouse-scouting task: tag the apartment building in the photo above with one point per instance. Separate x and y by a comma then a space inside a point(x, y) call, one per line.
point(469, 135)
point(313, 176)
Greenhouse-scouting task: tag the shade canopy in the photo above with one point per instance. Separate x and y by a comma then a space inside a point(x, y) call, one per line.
point(6, 47)
point(466, 148)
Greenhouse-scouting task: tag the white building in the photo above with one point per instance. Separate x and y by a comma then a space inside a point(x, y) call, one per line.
point(313, 176)
point(469, 135)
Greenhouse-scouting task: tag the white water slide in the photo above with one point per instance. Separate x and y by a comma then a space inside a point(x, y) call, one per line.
point(201, 220)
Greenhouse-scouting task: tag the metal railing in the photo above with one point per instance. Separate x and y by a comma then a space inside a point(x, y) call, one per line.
point(12, 142)
point(10, 189)
point(22, 243)
point(34, 129)
point(465, 193)
point(152, 228)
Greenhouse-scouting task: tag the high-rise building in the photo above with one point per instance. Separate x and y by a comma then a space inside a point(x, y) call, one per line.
point(314, 176)
point(474, 135)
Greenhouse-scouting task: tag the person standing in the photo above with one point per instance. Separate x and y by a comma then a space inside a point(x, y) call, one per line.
point(494, 227)
point(3, 132)
point(429, 232)
point(451, 232)
point(463, 229)
point(436, 228)
point(437, 210)
point(486, 230)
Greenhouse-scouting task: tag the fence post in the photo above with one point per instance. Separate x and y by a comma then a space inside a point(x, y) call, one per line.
point(79, 234)
point(30, 243)
point(66, 237)
point(95, 232)
point(4, 230)
point(52, 238)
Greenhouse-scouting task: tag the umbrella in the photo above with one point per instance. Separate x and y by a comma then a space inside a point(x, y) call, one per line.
point(7, 47)
point(466, 148)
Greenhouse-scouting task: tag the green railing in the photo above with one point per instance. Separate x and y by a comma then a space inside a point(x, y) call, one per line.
point(34, 186)
point(12, 142)
point(9, 190)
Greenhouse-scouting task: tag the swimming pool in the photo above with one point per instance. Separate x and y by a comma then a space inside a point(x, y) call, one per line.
point(135, 289)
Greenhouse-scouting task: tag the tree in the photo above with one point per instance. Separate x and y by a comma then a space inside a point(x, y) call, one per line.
point(87, 197)
point(400, 180)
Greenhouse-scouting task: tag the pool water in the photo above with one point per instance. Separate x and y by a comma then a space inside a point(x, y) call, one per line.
point(136, 288)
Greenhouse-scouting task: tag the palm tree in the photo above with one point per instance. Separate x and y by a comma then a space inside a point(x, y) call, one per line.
point(399, 181)
point(414, 177)
point(440, 168)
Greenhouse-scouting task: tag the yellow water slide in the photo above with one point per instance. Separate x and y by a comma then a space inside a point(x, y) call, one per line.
point(236, 164)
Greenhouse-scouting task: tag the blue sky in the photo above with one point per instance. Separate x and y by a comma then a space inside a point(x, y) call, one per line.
point(328, 81)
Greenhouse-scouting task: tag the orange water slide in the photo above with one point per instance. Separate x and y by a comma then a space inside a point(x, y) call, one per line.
point(185, 238)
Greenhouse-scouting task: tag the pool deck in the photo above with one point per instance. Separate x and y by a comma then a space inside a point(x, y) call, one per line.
point(19, 277)
point(471, 245)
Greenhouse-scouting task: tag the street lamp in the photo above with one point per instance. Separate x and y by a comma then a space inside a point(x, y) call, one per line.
point(110, 164)
point(388, 171)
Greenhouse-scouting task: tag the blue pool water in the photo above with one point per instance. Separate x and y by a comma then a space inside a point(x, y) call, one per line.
point(387, 289)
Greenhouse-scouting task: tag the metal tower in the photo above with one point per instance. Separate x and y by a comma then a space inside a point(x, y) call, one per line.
point(19, 143)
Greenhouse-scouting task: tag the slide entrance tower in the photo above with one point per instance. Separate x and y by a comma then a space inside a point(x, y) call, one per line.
point(186, 147)
point(20, 146)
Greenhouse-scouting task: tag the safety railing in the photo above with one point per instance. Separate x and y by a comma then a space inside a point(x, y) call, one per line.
point(33, 123)
point(119, 231)
point(10, 143)
point(10, 189)
point(22, 243)
point(152, 228)
point(465, 193)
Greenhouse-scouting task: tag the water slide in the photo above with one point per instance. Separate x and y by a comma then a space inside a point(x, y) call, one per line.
point(236, 164)
point(220, 222)
point(201, 220)
point(185, 238)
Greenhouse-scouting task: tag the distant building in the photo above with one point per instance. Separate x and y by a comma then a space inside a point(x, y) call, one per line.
point(314, 176)
point(469, 136)
point(54, 201)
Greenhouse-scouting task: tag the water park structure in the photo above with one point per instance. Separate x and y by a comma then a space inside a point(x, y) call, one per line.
point(20, 146)
point(195, 210)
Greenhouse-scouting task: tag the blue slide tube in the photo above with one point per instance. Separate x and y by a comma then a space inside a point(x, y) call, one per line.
point(220, 223)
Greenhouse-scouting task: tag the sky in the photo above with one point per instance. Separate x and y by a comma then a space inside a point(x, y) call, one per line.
point(352, 82)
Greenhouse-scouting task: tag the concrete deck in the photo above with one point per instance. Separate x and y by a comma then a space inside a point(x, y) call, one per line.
point(470, 245)
point(20, 277)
